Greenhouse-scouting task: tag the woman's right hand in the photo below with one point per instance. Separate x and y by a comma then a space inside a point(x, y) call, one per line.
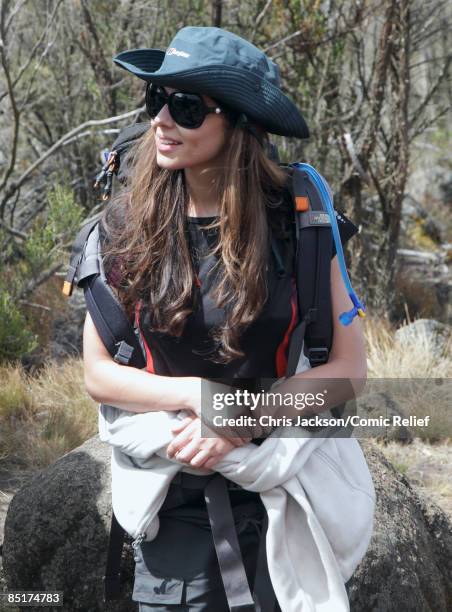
point(233, 439)
point(191, 447)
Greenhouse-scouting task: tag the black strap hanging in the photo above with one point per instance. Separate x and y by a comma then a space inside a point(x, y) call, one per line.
point(264, 594)
point(227, 546)
point(112, 578)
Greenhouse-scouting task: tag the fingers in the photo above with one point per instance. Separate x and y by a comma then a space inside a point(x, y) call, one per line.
point(187, 453)
point(182, 438)
point(212, 461)
point(190, 447)
point(200, 458)
point(239, 441)
point(180, 425)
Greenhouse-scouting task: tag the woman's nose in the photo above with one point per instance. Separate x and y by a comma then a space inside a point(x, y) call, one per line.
point(164, 117)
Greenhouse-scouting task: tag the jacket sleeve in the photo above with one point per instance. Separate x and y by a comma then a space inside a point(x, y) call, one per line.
point(137, 434)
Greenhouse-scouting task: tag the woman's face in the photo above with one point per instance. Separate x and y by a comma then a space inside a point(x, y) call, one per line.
point(197, 147)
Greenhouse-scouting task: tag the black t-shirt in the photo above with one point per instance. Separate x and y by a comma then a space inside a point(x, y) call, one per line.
point(264, 342)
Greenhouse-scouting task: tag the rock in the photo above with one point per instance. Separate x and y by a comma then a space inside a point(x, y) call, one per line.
point(434, 334)
point(373, 405)
point(67, 328)
point(56, 531)
point(408, 565)
point(423, 283)
point(56, 538)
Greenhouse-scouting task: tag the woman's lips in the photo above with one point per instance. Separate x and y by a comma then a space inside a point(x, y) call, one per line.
point(166, 145)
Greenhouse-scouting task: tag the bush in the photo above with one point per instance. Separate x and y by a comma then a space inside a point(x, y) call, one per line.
point(46, 243)
point(15, 337)
point(28, 269)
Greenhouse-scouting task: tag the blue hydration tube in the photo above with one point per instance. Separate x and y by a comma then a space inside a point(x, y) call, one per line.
point(327, 200)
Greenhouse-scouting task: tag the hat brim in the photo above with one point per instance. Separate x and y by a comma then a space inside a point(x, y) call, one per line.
point(238, 88)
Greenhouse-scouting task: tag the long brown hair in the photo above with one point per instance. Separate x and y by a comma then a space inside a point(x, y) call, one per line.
point(145, 231)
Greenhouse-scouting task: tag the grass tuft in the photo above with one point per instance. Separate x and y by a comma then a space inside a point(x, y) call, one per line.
point(389, 358)
point(46, 416)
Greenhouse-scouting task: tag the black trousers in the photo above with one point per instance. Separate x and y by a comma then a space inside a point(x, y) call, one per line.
point(178, 570)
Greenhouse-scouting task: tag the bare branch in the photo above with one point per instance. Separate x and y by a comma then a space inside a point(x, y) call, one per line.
point(283, 41)
point(338, 34)
point(34, 305)
point(432, 90)
point(431, 60)
point(33, 76)
point(38, 280)
point(259, 18)
point(10, 90)
point(19, 6)
point(12, 231)
point(32, 54)
point(216, 11)
point(89, 133)
point(377, 93)
point(99, 64)
point(60, 143)
point(350, 147)
point(426, 124)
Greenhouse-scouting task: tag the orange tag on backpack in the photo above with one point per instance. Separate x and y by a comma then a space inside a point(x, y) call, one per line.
point(301, 203)
point(67, 288)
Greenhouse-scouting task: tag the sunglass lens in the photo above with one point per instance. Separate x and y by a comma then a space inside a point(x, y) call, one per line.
point(188, 110)
point(155, 100)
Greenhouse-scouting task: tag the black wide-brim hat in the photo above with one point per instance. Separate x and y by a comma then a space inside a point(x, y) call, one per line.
point(224, 66)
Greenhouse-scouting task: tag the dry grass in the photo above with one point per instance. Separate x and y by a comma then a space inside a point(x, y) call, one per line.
point(16, 401)
point(387, 358)
point(415, 363)
point(46, 416)
point(426, 464)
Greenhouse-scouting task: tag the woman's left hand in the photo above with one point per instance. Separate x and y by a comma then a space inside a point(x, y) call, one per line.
point(188, 446)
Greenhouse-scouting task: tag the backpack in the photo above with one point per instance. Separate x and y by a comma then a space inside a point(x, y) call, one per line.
point(315, 227)
point(314, 222)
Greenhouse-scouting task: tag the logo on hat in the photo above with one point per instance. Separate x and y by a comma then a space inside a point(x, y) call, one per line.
point(174, 51)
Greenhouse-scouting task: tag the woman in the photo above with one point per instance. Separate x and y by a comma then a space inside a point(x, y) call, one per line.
point(188, 248)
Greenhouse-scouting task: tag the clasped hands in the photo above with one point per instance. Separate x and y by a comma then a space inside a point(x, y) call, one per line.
point(200, 442)
point(190, 447)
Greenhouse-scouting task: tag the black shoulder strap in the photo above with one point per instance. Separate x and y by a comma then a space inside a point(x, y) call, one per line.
point(313, 275)
point(77, 254)
point(314, 330)
point(108, 315)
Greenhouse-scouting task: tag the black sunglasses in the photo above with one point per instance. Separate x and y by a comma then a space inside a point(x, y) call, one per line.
point(187, 109)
